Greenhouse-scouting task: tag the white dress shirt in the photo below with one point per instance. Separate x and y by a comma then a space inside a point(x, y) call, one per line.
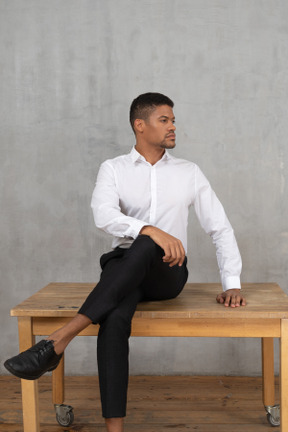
point(131, 193)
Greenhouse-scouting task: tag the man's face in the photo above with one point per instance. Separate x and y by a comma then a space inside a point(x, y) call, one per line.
point(159, 128)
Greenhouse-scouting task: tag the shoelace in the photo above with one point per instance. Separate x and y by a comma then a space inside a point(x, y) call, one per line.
point(44, 348)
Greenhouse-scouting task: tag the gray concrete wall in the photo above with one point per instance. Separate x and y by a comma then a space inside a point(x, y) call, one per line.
point(68, 72)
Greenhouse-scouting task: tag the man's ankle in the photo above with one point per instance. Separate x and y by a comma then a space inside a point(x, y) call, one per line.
point(115, 424)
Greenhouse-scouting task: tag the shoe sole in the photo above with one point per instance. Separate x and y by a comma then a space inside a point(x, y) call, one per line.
point(27, 377)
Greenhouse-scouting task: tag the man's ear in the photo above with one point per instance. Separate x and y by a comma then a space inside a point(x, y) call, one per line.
point(139, 125)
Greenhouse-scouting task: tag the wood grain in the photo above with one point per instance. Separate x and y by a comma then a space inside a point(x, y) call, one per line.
point(63, 299)
point(162, 404)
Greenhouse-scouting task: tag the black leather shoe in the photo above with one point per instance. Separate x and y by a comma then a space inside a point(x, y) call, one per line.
point(34, 362)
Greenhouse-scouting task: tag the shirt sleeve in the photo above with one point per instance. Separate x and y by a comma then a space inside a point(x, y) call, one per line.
point(106, 210)
point(214, 221)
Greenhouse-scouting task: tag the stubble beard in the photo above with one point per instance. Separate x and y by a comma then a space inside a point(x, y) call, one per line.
point(168, 145)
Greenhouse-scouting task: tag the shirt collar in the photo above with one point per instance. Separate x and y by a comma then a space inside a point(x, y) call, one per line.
point(135, 155)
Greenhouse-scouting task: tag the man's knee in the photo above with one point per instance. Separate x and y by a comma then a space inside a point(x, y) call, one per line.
point(117, 322)
point(146, 245)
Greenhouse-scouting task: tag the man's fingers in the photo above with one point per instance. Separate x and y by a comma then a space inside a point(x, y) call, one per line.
point(179, 255)
point(181, 261)
point(227, 300)
point(238, 300)
point(235, 301)
point(183, 254)
point(167, 257)
point(174, 254)
point(220, 298)
point(231, 299)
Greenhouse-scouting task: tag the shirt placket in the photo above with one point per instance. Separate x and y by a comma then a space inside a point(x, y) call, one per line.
point(153, 185)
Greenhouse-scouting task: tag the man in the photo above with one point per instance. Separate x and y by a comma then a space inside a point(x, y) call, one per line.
point(142, 199)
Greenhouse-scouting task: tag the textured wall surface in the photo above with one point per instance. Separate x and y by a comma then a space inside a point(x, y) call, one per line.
point(68, 72)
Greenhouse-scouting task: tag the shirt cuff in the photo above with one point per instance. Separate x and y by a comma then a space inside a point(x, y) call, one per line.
point(135, 228)
point(231, 282)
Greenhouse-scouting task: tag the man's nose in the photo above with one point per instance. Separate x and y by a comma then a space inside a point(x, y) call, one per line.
point(172, 126)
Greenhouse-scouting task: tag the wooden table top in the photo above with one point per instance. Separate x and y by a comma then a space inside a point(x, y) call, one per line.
point(197, 300)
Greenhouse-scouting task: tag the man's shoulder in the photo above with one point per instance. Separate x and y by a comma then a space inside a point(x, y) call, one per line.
point(121, 159)
point(182, 162)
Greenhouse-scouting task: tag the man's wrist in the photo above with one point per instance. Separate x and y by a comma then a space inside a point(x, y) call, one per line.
point(234, 289)
point(146, 230)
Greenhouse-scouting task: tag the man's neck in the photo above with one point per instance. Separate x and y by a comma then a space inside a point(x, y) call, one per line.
point(151, 155)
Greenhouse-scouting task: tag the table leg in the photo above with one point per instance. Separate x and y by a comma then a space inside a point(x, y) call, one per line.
point(268, 372)
point(284, 375)
point(29, 388)
point(58, 383)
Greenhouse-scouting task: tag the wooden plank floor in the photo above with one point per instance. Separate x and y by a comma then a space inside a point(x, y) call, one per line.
point(162, 404)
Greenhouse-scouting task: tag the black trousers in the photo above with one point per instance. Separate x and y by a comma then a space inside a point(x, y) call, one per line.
point(128, 277)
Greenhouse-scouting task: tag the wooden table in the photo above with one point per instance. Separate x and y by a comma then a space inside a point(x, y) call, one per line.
point(194, 313)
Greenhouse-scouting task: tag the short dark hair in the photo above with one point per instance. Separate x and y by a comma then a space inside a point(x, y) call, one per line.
point(143, 105)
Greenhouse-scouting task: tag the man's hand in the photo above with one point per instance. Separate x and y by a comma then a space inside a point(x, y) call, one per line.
point(231, 297)
point(174, 252)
